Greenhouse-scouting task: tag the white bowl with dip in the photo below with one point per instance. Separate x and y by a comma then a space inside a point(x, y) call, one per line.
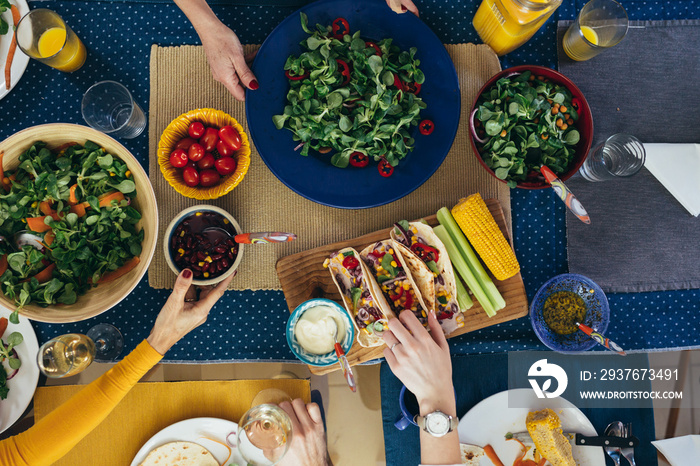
point(310, 331)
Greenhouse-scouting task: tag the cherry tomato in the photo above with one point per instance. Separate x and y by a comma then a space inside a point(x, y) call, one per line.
point(210, 138)
point(339, 28)
point(209, 177)
point(191, 176)
point(223, 149)
point(196, 152)
point(230, 137)
point(385, 168)
point(350, 262)
point(206, 162)
point(196, 130)
point(178, 158)
point(225, 165)
point(185, 144)
point(375, 47)
point(358, 159)
point(426, 127)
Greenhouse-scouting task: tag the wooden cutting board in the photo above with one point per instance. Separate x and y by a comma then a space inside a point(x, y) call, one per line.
point(303, 277)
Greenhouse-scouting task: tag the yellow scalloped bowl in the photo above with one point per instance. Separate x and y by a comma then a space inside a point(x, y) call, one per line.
point(177, 130)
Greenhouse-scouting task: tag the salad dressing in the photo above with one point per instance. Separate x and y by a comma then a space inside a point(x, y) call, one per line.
point(562, 310)
point(316, 328)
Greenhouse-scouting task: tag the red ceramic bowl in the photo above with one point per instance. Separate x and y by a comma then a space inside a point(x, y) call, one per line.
point(584, 123)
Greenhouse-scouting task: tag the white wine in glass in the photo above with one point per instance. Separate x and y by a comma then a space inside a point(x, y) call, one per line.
point(264, 435)
point(66, 355)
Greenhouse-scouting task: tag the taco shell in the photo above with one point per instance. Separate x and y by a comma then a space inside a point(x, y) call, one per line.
point(369, 335)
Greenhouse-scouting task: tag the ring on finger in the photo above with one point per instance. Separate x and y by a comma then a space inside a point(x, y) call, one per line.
point(392, 346)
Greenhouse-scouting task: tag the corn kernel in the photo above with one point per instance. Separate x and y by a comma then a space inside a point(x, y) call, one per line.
point(391, 251)
point(111, 173)
point(226, 222)
point(393, 263)
point(206, 274)
point(197, 214)
point(34, 204)
point(207, 259)
point(406, 286)
point(128, 173)
point(201, 264)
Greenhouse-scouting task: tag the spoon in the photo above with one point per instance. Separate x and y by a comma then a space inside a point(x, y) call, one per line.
point(565, 195)
point(263, 237)
point(601, 339)
point(344, 364)
point(614, 429)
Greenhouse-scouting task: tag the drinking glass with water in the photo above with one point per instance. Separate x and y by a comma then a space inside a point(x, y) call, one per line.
point(621, 155)
point(109, 107)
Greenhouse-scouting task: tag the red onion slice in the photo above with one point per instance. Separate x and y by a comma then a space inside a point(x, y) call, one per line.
point(14, 371)
point(299, 146)
point(403, 236)
point(473, 129)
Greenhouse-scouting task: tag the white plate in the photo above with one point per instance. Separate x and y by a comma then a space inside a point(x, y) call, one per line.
point(196, 430)
point(22, 385)
point(19, 63)
point(488, 422)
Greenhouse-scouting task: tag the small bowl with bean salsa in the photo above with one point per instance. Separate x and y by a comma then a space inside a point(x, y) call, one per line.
point(201, 238)
point(563, 301)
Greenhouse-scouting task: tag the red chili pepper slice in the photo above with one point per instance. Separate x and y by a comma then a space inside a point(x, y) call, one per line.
point(385, 169)
point(340, 27)
point(398, 83)
point(344, 71)
point(295, 78)
point(413, 88)
point(358, 159)
point(377, 255)
point(425, 252)
point(398, 295)
point(350, 262)
point(426, 127)
point(375, 47)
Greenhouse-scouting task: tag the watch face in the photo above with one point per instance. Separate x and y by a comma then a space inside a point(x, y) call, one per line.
point(437, 423)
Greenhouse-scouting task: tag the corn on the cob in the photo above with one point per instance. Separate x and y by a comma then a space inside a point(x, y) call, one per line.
point(477, 223)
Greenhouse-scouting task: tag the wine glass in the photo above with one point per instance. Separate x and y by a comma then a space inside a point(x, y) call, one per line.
point(264, 435)
point(65, 355)
point(108, 342)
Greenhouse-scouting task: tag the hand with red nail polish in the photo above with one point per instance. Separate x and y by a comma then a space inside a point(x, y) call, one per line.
point(178, 317)
point(224, 51)
point(402, 6)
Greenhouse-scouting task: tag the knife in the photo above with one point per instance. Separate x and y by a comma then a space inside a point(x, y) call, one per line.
point(566, 195)
point(582, 440)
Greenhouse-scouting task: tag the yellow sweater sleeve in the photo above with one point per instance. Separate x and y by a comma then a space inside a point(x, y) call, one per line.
point(51, 438)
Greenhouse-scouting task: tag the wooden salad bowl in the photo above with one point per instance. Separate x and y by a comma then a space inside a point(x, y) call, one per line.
point(105, 296)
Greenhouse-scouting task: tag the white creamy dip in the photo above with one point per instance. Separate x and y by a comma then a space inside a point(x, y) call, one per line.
point(316, 327)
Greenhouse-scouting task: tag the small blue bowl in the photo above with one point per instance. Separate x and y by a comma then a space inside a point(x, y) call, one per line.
point(597, 314)
point(319, 360)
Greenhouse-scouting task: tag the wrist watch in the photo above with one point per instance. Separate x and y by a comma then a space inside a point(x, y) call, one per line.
point(437, 423)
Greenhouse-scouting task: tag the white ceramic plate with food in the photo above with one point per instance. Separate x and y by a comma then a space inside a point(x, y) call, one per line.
point(23, 384)
point(488, 422)
point(20, 61)
point(209, 432)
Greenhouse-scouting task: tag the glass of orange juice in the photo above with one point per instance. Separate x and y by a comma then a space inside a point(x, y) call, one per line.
point(43, 35)
point(600, 25)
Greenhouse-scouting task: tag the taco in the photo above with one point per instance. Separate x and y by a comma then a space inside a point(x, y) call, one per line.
point(427, 260)
point(361, 296)
point(394, 279)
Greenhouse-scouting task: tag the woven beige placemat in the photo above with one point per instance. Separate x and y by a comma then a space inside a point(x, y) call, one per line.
point(181, 81)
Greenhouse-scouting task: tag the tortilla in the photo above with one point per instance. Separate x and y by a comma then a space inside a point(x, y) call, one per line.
point(471, 454)
point(180, 454)
point(370, 312)
point(437, 285)
point(394, 279)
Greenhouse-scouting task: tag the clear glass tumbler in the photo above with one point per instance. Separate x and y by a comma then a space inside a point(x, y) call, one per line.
point(264, 435)
point(620, 155)
point(601, 24)
point(109, 107)
point(43, 35)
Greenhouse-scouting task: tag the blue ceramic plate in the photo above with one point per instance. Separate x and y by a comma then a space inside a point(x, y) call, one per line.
point(597, 315)
point(319, 360)
point(314, 177)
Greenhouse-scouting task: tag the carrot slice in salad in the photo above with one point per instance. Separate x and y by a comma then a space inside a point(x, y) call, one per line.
point(123, 270)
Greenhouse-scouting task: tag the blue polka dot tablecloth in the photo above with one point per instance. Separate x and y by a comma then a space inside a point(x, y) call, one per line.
point(250, 325)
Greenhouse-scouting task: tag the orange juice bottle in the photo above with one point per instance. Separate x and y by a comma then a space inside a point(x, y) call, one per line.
point(505, 25)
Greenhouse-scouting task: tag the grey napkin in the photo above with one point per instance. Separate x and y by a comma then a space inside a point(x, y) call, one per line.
point(640, 238)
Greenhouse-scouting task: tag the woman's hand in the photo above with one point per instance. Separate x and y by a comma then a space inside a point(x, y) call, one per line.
point(226, 60)
point(308, 435)
point(421, 360)
point(177, 317)
point(402, 6)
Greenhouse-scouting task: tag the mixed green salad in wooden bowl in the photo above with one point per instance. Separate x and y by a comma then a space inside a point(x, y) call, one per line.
point(352, 98)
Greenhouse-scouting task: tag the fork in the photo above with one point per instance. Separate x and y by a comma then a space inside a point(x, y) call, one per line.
point(628, 452)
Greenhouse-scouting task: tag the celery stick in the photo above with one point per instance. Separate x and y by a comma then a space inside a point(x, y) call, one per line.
point(463, 298)
point(464, 271)
point(447, 220)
